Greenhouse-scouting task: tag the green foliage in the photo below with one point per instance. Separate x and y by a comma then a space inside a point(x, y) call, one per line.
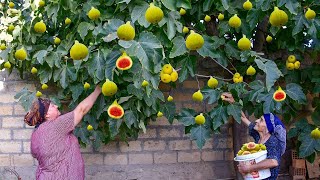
point(157, 44)
point(308, 146)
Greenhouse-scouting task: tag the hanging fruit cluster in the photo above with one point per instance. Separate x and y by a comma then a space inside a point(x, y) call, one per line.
point(168, 74)
point(292, 63)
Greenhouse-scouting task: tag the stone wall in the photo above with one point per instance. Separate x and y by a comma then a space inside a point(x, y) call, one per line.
point(164, 152)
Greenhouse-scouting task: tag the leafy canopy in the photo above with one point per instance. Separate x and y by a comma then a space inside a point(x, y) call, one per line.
point(157, 44)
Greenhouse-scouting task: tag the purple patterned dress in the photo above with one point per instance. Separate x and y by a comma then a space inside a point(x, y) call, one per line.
point(273, 148)
point(57, 150)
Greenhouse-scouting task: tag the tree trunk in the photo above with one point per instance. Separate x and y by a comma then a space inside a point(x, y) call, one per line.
point(238, 133)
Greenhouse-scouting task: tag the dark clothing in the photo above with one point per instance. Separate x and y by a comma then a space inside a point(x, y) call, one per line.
point(273, 148)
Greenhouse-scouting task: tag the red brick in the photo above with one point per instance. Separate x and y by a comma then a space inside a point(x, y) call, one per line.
point(207, 145)
point(115, 159)
point(186, 135)
point(18, 110)
point(110, 147)
point(177, 123)
point(22, 160)
point(93, 159)
point(225, 143)
point(5, 160)
point(181, 97)
point(188, 157)
point(179, 106)
point(26, 147)
point(160, 121)
point(12, 122)
point(36, 163)
point(29, 127)
point(10, 147)
point(7, 98)
point(131, 146)
point(165, 158)
point(6, 109)
point(86, 149)
point(212, 155)
point(14, 75)
point(225, 129)
point(175, 132)
point(192, 84)
point(20, 85)
point(164, 87)
point(22, 134)
point(228, 155)
point(180, 145)
point(5, 134)
point(151, 133)
point(140, 158)
point(193, 105)
point(154, 145)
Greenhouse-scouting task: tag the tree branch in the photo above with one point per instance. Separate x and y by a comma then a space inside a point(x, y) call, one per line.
point(260, 35)
point(212, 27)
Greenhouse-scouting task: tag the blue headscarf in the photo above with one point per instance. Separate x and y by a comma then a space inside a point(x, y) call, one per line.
point(276, 128)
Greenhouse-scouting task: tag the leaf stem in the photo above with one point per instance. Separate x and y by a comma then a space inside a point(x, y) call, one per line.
point(198, 82)
point(290, 107)
point(199, 75)
point(205, 76)
point(232, 65)
point(222, 66)
point(246, 83)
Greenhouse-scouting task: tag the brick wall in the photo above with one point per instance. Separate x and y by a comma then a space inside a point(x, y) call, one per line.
point(164, 152)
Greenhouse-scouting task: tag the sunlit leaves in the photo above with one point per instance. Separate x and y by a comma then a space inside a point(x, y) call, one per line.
point(174, 4)
point(186, 117)
point(111, 29)
point(200, 134)
point(138, 12)
point(25, 97)
point(173, 24)
point(179, 47)
point(270, 69)
point(235, 111)
point(210, 46)
point(158, 44)
point(219, 116)
point(145, 48)
point(212, 95)
point(300, 22)
point(83, 29)
point(294, 91)
point(169, 110)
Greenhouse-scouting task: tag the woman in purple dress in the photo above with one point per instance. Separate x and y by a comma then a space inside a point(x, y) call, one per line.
point(267, 130)
point(53, 143)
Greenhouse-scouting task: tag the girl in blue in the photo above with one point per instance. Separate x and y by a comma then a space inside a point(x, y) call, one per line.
point(267, 130)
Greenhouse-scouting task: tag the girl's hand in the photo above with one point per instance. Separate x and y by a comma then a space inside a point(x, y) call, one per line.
point(227, 97)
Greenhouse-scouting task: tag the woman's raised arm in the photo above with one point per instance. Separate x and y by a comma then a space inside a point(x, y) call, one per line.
point(85, 105)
